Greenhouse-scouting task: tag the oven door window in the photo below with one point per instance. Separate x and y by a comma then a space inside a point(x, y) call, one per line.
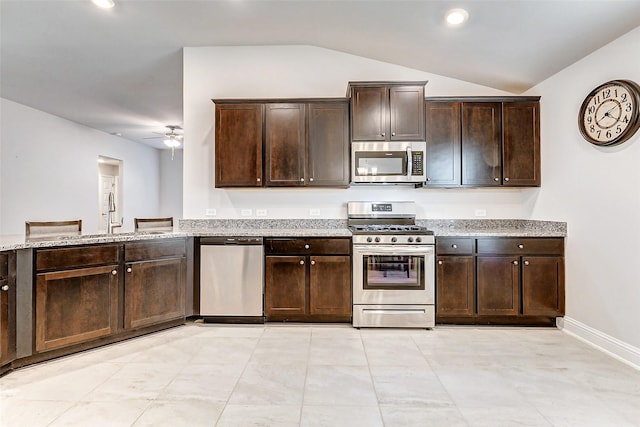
point(372, 163)
point(398, 272)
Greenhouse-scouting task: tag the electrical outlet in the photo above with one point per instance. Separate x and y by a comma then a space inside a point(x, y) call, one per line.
point(314, 212)
point(210, 212)
point(481, 212)
point(261, 212)
point(246, 212)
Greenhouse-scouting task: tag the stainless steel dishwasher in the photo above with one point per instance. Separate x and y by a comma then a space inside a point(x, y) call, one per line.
point(231, 279)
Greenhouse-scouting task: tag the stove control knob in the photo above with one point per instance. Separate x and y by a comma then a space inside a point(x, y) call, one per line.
point(394, 239)
point(410, 239)
point(369, 239)
point(418, 239)
point(377, 239)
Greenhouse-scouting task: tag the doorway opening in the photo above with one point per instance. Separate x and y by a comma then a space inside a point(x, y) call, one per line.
point(109, 182)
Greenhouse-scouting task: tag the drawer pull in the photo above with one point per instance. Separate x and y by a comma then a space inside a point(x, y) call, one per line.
point(520, 246)
point(114, 272)
point(454, 246)
point(306, 246)
point(258, 179)
point(439, 262)
point(506, 179)
point(496, 179)
point(313, 263)
point(129, 270)
point(526, 263)
point(515, 262)
point(301, 262)
point(5, 288)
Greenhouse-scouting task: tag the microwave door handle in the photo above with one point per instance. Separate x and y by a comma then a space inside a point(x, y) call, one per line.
point(409, 162)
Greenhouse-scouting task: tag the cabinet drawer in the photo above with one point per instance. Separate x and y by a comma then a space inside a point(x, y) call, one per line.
point(150, 249)
point(454, 245)
point(521, 245)
point(308, 246)
point(77, 256)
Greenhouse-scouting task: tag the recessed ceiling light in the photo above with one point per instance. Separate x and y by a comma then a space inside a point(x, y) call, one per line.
point(105, 4)
point(456, 16)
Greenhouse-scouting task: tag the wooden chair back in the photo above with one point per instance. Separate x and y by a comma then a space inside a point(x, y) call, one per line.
point(53, 228)
point(153, 224)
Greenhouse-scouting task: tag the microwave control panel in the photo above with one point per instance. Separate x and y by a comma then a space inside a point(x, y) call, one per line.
point(418, 163)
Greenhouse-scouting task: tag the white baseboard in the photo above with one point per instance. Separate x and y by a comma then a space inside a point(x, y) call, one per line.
point(612, 346)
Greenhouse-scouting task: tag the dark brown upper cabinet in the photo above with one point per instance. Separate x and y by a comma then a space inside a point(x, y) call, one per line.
point(282, 143)
point(387, 111)
point(238, 151)
point(483, 142)
point(285, 144)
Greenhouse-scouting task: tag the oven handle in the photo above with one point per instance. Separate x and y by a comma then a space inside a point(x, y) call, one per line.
point(393, 249)
point(409, 162)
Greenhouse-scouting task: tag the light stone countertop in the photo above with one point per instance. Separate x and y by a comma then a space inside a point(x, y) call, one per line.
point(295, 228)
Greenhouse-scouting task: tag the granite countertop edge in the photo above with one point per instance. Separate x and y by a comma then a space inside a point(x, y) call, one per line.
point(296, 228)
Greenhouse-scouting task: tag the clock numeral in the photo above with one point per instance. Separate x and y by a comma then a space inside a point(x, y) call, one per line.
point(598, 133)
point(606, 93)
point(625, 119)
point(628, 109)
point(618, 129)
point(592, 128)
point(592, 109)
point(608, 134)
point(623, 98)
point(589, 119)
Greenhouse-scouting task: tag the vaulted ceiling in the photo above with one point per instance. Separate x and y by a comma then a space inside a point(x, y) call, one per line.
point(120, 70)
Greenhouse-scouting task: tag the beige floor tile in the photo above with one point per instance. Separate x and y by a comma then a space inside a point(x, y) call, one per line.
point(340, 416)
point(260, 416)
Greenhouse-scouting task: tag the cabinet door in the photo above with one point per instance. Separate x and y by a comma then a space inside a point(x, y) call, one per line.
point(481, 143)
point(330, 285)
point(369, 120)
point(154, 291)
point(498, 285)
point(455, 286)
point(406, 111)
point(521, 143)
point(443, 143)
point(285, 144)
point(238, 145)
point(543, 286)
point(4, 309)
point(285, 292)
point(73, 306)
point(328, 144)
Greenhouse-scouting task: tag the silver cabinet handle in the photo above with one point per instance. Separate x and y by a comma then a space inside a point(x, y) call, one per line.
point(258, 179)
point(520, 246)
point(129, 270)
point(526, 263)
point(515, 262)
point(301, 262)
point(301, 179)
point(306, 246)
point(496, 179)
point(313, 263)
point(382, 134)
point(311, 179)
point(439, 262)
point(393, 134)
point(506, 179)
point(5, 288)
point(114, 272)
point(454, 246)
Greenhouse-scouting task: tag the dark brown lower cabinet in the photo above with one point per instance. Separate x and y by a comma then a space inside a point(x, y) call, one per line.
point(308, 280)
point(456, 286)
point(155, 282)
point(499, 280)
point(7, 310)
point(74, 306)
point(498, 286)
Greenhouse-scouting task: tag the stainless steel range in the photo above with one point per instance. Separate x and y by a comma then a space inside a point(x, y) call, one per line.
point(393, 266)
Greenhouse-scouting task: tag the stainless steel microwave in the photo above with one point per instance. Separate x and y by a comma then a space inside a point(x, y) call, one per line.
point(395, 162)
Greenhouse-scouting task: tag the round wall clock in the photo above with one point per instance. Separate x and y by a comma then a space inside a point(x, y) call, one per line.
point(610, 114)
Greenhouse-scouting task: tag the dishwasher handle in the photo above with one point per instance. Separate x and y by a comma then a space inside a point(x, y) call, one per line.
point(244, 240)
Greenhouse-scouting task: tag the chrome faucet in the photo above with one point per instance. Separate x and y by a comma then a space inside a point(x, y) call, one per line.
point(112, 210)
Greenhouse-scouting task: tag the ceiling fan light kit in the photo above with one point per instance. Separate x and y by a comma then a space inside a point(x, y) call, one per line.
point(104, 4)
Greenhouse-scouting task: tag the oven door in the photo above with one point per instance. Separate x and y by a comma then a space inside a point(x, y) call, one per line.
point(393, 274)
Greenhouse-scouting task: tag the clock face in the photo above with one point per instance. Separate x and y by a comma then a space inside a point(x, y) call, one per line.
point(610, 113)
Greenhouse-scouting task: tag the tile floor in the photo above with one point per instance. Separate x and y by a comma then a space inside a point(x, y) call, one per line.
point(328, 375)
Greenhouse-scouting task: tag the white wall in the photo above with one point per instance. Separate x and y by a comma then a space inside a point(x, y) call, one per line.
point(171, 184)
point(302, 72)
point(49, 171)
point(597, 191)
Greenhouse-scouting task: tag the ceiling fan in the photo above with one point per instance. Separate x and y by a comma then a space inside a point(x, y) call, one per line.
point(171, 138)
